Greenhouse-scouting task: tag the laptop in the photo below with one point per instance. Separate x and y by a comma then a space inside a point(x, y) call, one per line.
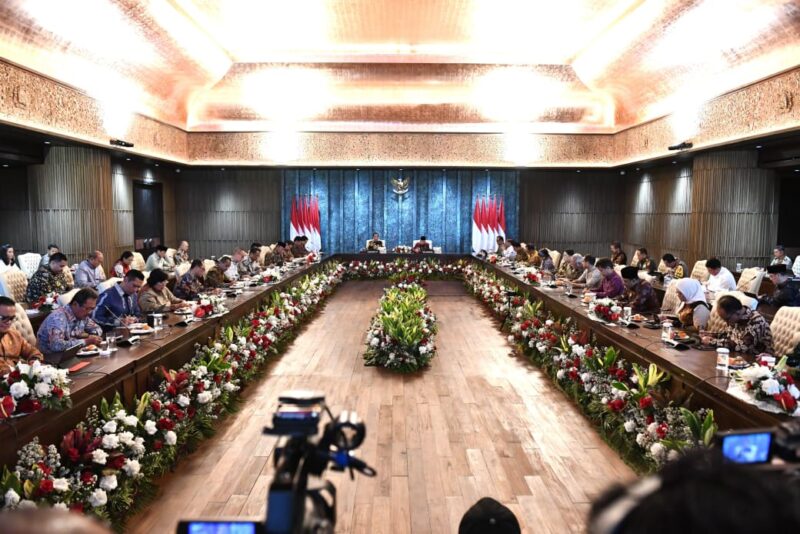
point(57, 358)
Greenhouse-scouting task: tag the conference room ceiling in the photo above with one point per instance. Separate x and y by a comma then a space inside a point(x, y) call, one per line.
point(568, 66)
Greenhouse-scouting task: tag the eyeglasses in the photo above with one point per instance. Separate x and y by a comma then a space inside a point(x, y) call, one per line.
point(7, 318)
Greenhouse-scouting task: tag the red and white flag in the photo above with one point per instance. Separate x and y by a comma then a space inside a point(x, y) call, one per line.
point(476, 228)
point(305, 221)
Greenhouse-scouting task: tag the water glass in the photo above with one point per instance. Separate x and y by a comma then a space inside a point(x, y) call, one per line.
point(111, 340)
point(626, 314)
point(568, 287)
point(666, 331)
point(158, 320)
point(722, 358)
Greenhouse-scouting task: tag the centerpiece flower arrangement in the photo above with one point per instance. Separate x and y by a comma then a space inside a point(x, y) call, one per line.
point(402, 249)
point(46, 303)
point(400, 336)
point(210, 306)
point(605, 309)
point(774, 387)
point(311, 258)
point(33, 387)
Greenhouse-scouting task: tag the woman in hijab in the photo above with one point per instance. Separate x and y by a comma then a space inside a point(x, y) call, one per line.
point(693, 309)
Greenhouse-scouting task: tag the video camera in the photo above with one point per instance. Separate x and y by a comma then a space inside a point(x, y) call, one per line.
point(760, 446)
point(294, 505)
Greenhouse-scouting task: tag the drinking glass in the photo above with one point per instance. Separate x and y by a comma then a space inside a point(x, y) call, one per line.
point(626, 314)
point(111, 340)
point(568, 287)
point(722, 358)
point(666, 331)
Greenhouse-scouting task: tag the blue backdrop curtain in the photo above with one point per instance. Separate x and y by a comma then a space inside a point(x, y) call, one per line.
point(355, 202)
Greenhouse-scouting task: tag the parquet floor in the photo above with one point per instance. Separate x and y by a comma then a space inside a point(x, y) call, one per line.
point(479, 422)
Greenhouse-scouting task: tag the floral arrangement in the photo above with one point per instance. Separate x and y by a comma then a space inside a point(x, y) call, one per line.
point(400, 336)
point(773, 389)
point(269, 275)
point(33, 387)
point(46, 303)
point(402, 249)
point(492, 258)
point(106, 466)
point(311, 258)
point(532, 278)
point(605, 309)
point(428, 268)
point(210, 306)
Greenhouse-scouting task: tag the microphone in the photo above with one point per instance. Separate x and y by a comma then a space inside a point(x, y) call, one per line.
point(131, 338)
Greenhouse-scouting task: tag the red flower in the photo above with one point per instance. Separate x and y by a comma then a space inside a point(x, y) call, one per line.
point(172, 390)
point(646, 402)
point(6, 407)
point(649, 419)
point(661, 431)
point(789, 378)
point(622, 374)
point(76, 507)
point(47, 471)
point(155, 406)
point(616, 405)
point(217, 379)
point(191, 412)
point(87, 477)
point(116, 461)
point(13, 376)
point(165, 423)
point(58, 392)
point(29, 406)
point(589, 352)
point(157, 444)
point(786, 400)
point(199, 387)
point(200, 312)
point(46, 486)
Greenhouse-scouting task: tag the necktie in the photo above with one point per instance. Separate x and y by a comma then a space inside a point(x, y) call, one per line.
point(127, 299)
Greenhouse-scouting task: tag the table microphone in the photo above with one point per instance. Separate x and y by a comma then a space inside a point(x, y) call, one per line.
point(131, 338)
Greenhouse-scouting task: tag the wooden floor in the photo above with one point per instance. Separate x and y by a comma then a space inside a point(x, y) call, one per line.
point(479, 422)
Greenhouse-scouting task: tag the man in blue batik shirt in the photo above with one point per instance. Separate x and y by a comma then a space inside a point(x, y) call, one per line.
point(119, 304)
point(71, 325)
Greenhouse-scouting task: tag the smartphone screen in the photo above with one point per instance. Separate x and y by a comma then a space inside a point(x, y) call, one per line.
point(748, 448)
point(219, 527)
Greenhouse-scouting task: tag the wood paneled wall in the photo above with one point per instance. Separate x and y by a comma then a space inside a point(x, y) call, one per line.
point(658, 210)
point(70, 198)
point(220, 210)
point(734, 208)
point(566, 209)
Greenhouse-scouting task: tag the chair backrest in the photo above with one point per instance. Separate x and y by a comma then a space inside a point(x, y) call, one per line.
point(65, 298)
point(785, 330)
point(138, 261)
point(662, 267)
point(635, 259)
point(182, 269)
point(715, 322)
point(671, 300)
point(171, 256)
point(29, 262)
point(699, 271)
point(69, 276)
point(209, 264)
point(428, 241)
point(436, 250)
point(23, 325)
point(750, 280)
point(262, 256)
point(556, 257)
point(13, 284)
point(105, 284)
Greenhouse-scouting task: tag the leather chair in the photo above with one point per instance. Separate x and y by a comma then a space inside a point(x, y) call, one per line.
point(699, 271)
point(750, 280)
point(104, 285)
point(69, 276)
point(29, 263)
point(65, 298)
point(785, 330)
point(556, 257)
point(662, 267)
point(715, 322)
point(23, 325)
point(430, 243)
point(13, 284)
point(209, 264)
point(635, 259)
point(182, 269)
point(171, 256)
point(138, 262)
point(671, 300)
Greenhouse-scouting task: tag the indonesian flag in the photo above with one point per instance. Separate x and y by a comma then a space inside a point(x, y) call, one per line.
point(501, 220)
point(305, 221)
point(314, 231)
point(294, 220)
point(476, 228)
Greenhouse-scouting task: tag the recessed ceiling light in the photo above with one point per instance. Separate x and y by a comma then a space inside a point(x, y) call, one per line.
point(127, 159)
point(674, 162)
point(177, 170)
point(156, 164)
point(796, 170)
point(577, 170)
point(637, 168)
point(759, 146)
point(47, 142)
point(222, 168)
point(5, 165)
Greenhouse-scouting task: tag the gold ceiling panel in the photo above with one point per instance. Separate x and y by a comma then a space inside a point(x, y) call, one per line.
point(571, 66)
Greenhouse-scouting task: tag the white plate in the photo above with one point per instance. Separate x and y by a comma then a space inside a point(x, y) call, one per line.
point(187, 311)
point(32, 312)
point(88, 353)
point(141, 332)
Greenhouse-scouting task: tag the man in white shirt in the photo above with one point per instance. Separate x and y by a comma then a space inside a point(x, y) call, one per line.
point(158, 260)
point(796, 266)
point(233, 271)
point(779, 257)
point(510, 253)
point(720, 278)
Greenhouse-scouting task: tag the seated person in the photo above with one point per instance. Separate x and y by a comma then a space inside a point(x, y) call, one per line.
point(299, 247)
point(70, 325)
point(158, 260)
point(509, 252)
point(786, 293)
point(568, 268)
point(747, 331)
point(547, 264)
point(779, 257)
point(13, 347)
point(421, 245)
point(192, 283)
point(8, 259)
point(693, 310)
point(250, 266)
point(376, 243)
point(519, 250)
point(534, 260)
point(280, 254)
point(156, 297)
point(639, 294)
point(51, 249)
point(123, 264)
point(232, 273)
point(618, 257)
point(796, 267)
point(590, 278)
point(720, 278)
point(217, 276)
point(119, 304)
point(90, 271)
point(488, 516)
point(49, 279)
point(182, 253)
point(676, 267)
point(645, 263)
point(611, 285)
point(501, 245)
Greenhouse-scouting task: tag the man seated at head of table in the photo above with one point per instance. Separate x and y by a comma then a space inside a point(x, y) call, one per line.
point(501, 245)
point(693, 309)
point(13, 347)
point(192, 283)
point(49, 279)
point(618, 257)
point(299, 249)
point(156, 297)
point(639, 294)
point(119, 304)
point(779, 257)
point(571, 265)
point(645, 263)
point(509, 252)
point(746, 331)
point(376, 243)
point(422, 245)
point(612, 285)
point(786, 293)
point(90, 271)
point(676, 267)
point(250, 266)
point(720, 278)
point(590, 278)
point(70, 325)
point(220, 274)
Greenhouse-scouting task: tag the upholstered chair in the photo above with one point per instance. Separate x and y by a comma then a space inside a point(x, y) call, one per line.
point(29, 263)
point(182, 269)
point(671, 300)
point(104, 285)
point(13, 284)
point(23, 325)
point(138, 262)
point(785, 330)
point(750, 280)
point(556, 257)
point(65, 298)
point(715, 322)
point(699, 271)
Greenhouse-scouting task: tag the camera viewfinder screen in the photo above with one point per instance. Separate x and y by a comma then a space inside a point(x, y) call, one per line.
point(211, 527)
point(747, 448)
